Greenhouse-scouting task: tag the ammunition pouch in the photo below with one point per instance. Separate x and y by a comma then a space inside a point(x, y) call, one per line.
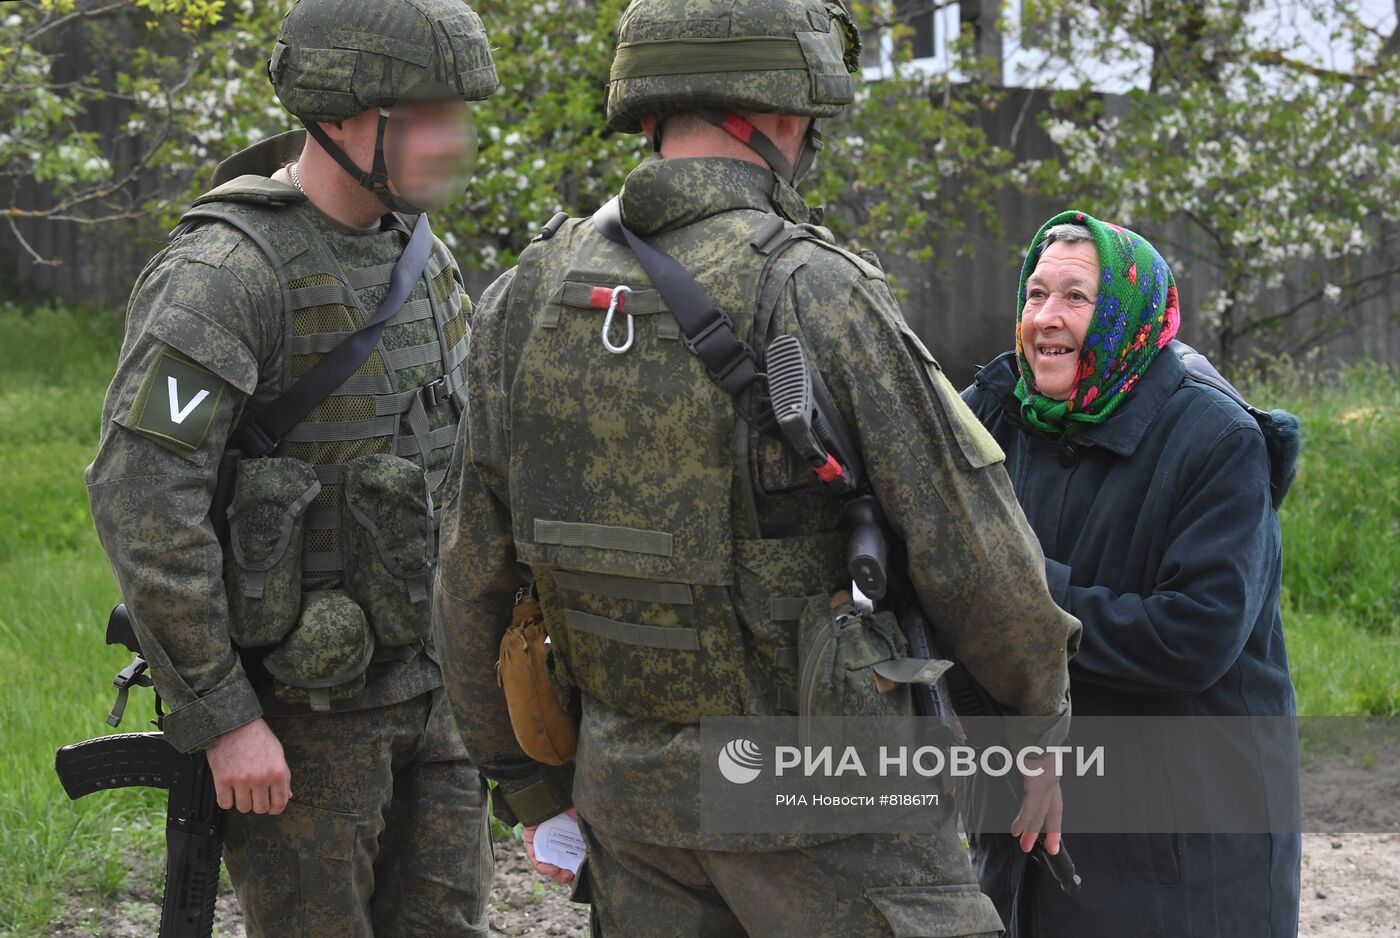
point(774, 580)
point(319, 644)
point(326, 656)
point(387, 537)
point(263, 559)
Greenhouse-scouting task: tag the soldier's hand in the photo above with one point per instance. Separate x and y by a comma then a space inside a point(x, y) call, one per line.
point(1042, 807)
point(562, 877)
point(250, 771)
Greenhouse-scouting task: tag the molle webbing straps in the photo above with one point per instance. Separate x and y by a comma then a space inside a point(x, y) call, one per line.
point(261, 433)
point(633, 633)
point(644, 591)
point(707, 330)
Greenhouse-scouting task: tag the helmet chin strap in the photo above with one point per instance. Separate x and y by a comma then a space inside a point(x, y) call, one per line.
point(377, 179)
point(746, 133)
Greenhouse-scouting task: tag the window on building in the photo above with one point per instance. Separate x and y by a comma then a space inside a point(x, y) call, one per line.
point(919, 32)
point(918, 16)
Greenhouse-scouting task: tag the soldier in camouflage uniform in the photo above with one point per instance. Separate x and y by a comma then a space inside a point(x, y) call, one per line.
point(299, 656)
point(672, 546)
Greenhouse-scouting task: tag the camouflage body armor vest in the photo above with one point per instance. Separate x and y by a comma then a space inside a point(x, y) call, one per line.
point(633, 487)
point(343, 515)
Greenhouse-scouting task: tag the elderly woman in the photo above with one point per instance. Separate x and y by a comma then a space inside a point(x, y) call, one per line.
point(1153, 491)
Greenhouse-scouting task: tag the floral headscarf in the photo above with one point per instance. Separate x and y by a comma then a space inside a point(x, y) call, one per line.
point(1137, 313)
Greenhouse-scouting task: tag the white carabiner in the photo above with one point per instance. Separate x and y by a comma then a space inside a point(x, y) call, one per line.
point(607, 323)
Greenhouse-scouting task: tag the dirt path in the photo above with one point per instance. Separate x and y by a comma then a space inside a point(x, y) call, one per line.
point(1351, 884)
point(522, 904)
point(1350, 887)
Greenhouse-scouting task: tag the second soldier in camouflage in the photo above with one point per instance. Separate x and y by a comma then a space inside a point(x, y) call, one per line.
point(672, 546)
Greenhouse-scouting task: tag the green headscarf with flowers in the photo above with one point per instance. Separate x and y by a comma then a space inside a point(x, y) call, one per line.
point(1136, 314)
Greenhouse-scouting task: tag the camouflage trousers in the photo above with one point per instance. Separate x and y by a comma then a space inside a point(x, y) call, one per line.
point(387, 832)
point(862, 886)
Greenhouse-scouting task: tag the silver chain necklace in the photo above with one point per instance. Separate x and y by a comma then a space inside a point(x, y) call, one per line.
point(296, 178)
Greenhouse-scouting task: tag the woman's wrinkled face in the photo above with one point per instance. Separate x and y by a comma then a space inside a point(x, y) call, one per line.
point(1060, 297)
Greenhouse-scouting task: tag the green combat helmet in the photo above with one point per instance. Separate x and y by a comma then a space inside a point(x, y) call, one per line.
point(711, 59)
point(335, 59)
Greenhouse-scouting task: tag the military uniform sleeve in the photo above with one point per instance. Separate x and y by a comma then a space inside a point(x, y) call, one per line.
point(477, 578)
point(188, 364)
point(973, 559)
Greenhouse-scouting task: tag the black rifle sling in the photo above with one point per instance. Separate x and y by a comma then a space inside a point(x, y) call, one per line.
point(709, 333)
point(707, 330)
point(261, 432)
point(698, 315)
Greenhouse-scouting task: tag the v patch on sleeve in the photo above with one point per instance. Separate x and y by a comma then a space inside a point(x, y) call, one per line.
point(176, 403)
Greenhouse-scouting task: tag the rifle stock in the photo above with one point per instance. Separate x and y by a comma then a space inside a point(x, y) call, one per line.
point(194, 825)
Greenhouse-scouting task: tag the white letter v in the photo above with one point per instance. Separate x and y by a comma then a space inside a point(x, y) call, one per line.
point(178, 413)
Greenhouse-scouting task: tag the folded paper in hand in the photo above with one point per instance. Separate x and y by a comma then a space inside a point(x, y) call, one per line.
point(559, 841)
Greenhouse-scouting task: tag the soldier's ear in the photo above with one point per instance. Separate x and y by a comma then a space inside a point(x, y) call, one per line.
point(792, 127)
point(648, 123)
point(340, 131)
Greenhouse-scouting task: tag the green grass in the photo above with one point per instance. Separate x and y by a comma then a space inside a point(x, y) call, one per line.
point(55, 592)
point(1341, 537)
point(1341, 541)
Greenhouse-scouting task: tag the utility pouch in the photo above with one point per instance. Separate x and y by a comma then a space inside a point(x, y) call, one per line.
point(387, 535)
point(325, 657)
point(262, 562)
point(838, 650)
point(544, 729)
point(854, 663)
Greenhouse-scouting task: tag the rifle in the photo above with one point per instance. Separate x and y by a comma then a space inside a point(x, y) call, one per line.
point(194, 822)
point(813, 427)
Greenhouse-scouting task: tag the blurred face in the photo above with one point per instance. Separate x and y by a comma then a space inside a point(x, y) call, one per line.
point(1060, 297)
point(429, 148)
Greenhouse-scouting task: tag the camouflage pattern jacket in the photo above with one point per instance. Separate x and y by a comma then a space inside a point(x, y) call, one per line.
point(561, 431)
point(209, 335)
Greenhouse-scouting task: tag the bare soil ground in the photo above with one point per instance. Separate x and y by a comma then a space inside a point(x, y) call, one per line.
point(523, 905)
point(1350, 887)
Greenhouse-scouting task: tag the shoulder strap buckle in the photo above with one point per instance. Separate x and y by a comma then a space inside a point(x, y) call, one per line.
point(434, 394)
point(253, 440)
point(694, 340)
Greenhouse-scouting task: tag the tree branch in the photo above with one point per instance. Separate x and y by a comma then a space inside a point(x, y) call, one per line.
point(1273, 57)
point(78, 13)
point(1201, 223)
point(38, 258)
point(63, 209)
point(1256, 325)
point(1391, 46)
